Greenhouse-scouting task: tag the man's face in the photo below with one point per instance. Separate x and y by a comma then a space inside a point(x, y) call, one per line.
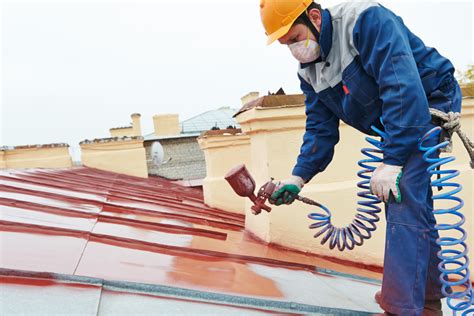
point(297, 33)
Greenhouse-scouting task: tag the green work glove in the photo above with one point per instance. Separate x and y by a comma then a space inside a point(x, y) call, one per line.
point(385, 180)
point(286, 191)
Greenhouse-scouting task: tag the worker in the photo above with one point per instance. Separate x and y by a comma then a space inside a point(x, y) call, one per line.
point(360, 64)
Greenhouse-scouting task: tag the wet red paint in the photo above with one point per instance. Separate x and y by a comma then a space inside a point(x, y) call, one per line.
point(94, 223)
point(34, 251)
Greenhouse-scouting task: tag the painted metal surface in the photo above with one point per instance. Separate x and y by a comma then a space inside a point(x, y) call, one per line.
point(91, 223)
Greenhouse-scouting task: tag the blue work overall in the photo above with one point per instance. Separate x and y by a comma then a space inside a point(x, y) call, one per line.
point(371, 68)
point(411, 273)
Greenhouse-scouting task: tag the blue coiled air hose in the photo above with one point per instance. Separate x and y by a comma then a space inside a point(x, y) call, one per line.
point(453, 255)
point(454, 252)
point(367, 216)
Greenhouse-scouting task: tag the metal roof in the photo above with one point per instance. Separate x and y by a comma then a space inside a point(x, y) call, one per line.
point(152, 136)
point(193, 127)
point(87, 241)
point(221, 118)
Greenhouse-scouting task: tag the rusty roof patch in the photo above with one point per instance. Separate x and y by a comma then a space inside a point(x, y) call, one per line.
point(273, 101)
point(220, 132)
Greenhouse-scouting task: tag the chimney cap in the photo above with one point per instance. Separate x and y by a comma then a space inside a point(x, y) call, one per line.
point(252, 93)
point(136, 114)
point(166, 115)
point(120, 127)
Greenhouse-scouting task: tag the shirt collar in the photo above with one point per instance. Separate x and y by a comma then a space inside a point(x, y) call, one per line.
point(325, 39)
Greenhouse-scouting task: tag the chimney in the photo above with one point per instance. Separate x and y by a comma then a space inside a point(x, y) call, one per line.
point(137, 128)
point(249, 97)
point(166, 124)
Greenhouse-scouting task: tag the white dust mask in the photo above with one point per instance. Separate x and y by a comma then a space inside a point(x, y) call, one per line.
point(305, 51)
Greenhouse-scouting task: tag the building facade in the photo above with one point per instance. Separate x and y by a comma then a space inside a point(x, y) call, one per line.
point(176, 143)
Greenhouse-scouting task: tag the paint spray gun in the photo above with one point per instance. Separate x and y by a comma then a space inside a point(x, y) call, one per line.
point(361, 228)
point(243, 184)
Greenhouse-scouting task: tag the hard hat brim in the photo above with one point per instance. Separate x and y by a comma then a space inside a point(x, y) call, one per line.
point(278, 33)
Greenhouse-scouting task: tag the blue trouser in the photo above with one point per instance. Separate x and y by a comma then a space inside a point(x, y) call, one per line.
point(411, 273)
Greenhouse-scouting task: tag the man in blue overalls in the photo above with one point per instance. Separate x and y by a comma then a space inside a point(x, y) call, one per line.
point(360, 64)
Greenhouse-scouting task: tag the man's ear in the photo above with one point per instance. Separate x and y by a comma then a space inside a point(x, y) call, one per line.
point(315, 17)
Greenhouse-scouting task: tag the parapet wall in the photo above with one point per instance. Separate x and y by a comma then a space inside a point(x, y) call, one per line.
point(36, 156)
point(276, 135)
point(223, 150)
point(3, 163)
point(124, 155)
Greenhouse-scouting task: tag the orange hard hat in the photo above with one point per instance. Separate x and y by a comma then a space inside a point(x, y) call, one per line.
point(278, 16)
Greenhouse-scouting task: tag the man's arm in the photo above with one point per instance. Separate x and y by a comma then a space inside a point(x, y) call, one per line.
point(322, 134)
point(386, 55)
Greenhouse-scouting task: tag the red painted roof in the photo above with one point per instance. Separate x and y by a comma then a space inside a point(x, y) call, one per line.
point(100, 225)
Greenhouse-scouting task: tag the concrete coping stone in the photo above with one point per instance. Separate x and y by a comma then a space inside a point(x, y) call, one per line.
point(111, 140)
point(118, 128)
point(38, 146)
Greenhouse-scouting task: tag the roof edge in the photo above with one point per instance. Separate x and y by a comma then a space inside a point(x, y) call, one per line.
point(183, 293)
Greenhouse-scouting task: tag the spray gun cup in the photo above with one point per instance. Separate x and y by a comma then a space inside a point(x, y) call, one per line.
point(241, 182)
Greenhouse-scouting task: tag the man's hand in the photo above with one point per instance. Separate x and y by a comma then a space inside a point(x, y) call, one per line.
point(286, 191)
point(385, 179)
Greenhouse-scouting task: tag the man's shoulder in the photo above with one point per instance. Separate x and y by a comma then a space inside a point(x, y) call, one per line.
point(353, 9)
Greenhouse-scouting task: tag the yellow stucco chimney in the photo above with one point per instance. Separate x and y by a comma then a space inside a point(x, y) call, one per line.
point(249, 97)
point(121, 131)
point(136, 125)
point(166, 124)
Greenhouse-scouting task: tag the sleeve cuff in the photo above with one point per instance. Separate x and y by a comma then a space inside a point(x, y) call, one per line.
point(305, 173)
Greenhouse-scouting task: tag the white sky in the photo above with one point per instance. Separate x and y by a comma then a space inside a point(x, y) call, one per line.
point(73, 69)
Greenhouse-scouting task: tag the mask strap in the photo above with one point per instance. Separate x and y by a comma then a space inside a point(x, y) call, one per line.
point(306, 44)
